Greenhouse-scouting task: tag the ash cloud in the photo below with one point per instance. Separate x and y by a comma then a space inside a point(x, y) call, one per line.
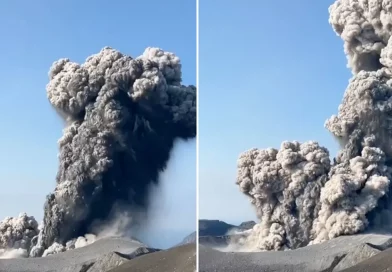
point(301, 197)
point(119, 224)
point(16, 234)
point(122, 116)
point(15, 253)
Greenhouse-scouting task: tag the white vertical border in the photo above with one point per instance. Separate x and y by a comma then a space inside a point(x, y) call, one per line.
point(197, 135)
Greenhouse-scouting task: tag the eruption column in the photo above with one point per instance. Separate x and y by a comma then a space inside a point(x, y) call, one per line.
point(299, 196)
point(122, 117)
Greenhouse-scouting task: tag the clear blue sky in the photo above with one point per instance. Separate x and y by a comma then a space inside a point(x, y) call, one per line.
point(269, 71)
point(36, 33)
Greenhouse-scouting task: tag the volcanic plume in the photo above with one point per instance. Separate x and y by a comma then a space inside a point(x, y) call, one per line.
point(122, 116)
point(300, 196)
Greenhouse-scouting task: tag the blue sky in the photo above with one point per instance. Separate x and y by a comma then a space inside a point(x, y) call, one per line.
point(269, 71)
point(36, 33)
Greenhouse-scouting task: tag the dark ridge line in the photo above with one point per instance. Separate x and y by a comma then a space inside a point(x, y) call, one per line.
point(86, 267)
point(382, 247)
point(335, 262)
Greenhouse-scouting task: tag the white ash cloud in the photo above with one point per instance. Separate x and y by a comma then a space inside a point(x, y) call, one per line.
point(14, 253)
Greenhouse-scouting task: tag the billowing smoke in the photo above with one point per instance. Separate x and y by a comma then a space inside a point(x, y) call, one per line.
point(300, 196)
point(117, 225)
point(16, 234)
point(14, 253)
point(285, 187)
point(122, 116)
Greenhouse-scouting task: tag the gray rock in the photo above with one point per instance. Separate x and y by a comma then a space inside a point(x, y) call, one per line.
point(107, 262)
point(214, 227)
point(321, 257)
point(76, 260)
point(363, 252)
point(176, 259)
point(382, 262)
point(247, 225)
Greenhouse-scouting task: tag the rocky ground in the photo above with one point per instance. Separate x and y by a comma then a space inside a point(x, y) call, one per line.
point(381, 262)
point(177, 259)
point(364, 252)
point(357, 253)
point(106, 255)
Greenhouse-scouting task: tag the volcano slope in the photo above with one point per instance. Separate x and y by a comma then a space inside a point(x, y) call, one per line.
point(108, 254)
point(331, 256)
point(181, 258)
